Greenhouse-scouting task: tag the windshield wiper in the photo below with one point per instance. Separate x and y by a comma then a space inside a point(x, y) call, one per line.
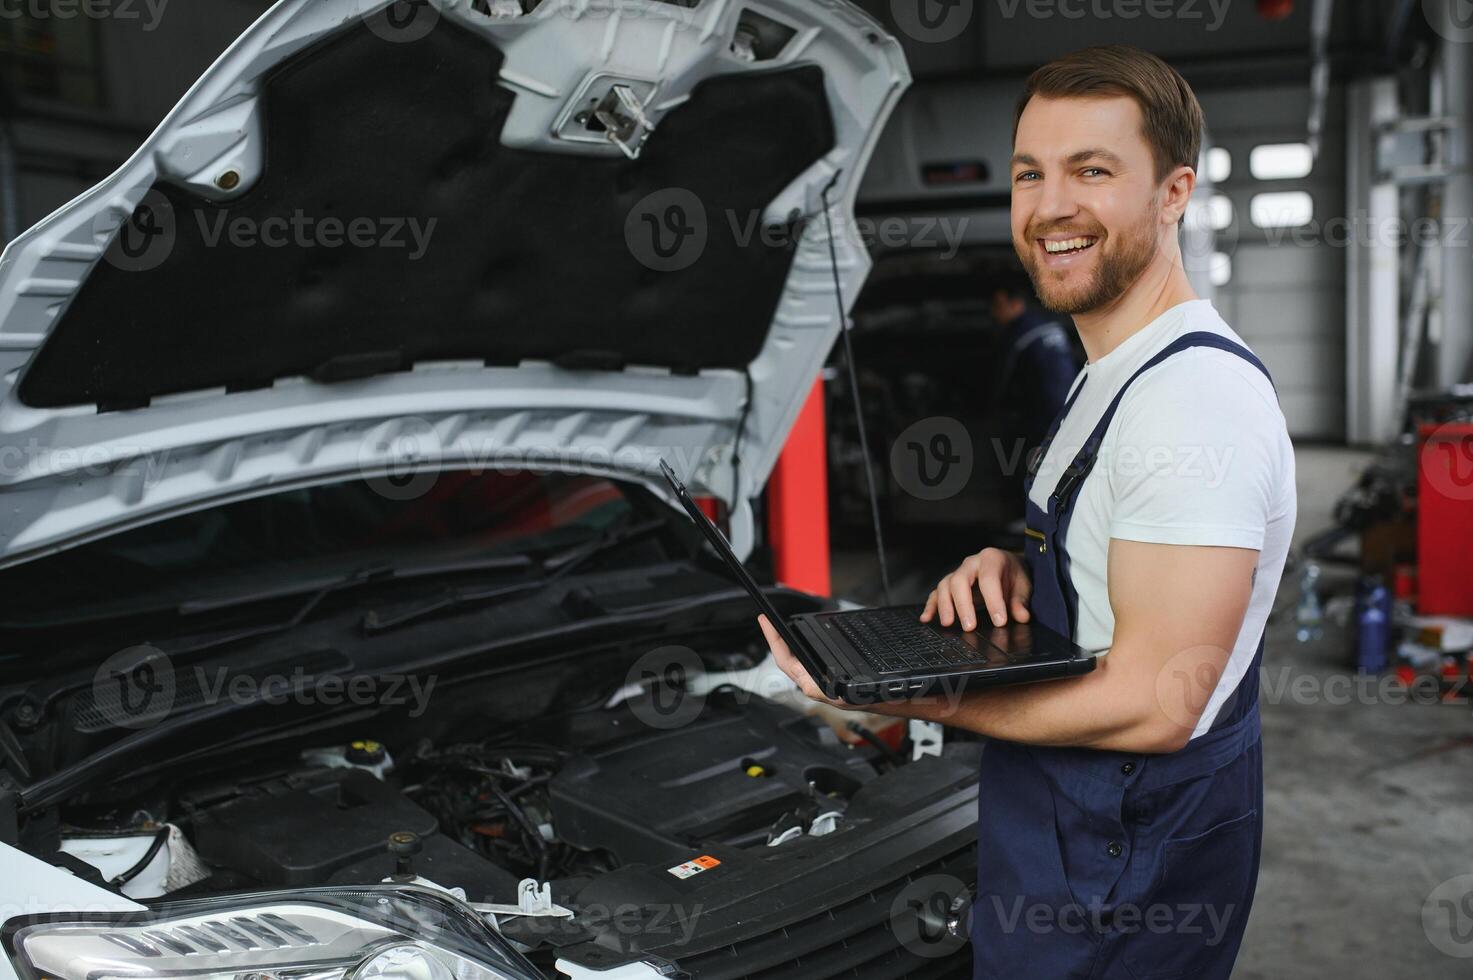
point(355, 578)
point(553, 568)
point(377, 572)
point(192, 607)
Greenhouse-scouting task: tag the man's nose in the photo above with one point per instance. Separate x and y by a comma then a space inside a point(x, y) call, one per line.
point(1056, 203)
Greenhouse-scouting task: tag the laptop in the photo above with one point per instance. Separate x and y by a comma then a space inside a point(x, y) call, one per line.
point(864, 656)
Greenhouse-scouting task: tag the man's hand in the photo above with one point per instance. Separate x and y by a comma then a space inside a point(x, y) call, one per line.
point(929, 708)
point(998, 575)
point(793, 668)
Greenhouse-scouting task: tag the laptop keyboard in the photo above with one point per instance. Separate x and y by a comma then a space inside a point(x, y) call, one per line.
point(893, 642)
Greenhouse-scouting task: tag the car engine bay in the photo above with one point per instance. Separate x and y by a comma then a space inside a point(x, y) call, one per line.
point(486, 814)
point(615, 807)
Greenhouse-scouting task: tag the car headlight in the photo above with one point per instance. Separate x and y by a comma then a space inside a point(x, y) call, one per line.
point(375, 933)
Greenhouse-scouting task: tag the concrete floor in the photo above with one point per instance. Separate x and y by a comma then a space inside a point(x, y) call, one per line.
point(1369, 804)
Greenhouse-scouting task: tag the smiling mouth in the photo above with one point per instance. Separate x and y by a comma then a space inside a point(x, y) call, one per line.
point(1068, 246)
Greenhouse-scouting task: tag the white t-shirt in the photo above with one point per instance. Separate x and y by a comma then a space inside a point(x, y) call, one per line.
point(1197, 454)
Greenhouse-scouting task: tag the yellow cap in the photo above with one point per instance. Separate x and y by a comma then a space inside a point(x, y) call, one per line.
point(755, 771)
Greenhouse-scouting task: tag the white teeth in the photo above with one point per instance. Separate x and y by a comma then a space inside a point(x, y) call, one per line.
point(1067, 245)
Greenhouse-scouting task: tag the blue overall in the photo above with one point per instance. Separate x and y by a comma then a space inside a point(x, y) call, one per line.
point(1103, 864)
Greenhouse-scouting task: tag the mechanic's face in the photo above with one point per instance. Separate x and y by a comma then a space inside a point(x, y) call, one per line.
point(1087, 209)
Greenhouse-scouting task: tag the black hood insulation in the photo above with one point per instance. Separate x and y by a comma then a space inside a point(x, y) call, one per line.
point(526, 257)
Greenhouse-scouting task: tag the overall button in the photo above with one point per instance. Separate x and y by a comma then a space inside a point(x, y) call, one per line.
point(1127, 769)
point(1114, 848)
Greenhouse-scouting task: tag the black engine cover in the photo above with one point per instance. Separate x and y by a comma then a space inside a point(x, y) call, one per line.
point(299, 829)
point(650, 798)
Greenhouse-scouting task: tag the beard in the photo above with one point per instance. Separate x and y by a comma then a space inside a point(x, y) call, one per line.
point(1119, 266)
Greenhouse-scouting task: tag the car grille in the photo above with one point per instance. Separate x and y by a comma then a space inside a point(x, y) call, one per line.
point(853, 939)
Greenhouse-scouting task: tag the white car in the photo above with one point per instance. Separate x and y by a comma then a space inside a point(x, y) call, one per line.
point(345, 628)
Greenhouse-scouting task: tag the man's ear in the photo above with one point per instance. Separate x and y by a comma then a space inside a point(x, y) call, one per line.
point(1178, 192)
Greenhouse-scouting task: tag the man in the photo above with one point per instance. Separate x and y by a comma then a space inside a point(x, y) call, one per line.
point(1121, 811)
point(1037, 364)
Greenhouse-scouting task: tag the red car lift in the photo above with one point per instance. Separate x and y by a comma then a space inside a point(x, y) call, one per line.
point(798, 503)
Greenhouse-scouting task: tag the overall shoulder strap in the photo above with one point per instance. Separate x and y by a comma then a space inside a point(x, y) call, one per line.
point(1084, 461)
point(1036, 454)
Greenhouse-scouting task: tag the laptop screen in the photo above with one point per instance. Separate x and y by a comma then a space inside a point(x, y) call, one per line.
point(723, 548)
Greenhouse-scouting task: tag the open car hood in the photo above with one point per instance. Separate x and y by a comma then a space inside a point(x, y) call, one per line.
point(381, 237)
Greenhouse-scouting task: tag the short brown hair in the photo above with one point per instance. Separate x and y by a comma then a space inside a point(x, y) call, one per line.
point(1171, 117)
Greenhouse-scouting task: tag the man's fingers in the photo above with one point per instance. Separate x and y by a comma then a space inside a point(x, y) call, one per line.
point(961, 598)
point(789, 664)
point(930, 609)
point(780, 651)
point(997, 608)
point(944, 610)
point(786, 662)
point(1022, 591)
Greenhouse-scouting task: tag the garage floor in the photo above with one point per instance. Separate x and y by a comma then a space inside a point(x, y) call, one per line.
point(1369, 803)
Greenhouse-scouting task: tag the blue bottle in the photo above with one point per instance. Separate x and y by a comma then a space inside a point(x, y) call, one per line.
point(1375, 629)
point(1309, 613)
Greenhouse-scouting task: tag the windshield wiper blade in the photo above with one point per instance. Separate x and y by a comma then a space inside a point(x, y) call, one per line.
point(554, 569)
point(191, 607)
point(353, 579)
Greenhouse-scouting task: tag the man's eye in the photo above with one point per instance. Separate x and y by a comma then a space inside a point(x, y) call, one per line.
point(1095, 172)
point(1028, 175)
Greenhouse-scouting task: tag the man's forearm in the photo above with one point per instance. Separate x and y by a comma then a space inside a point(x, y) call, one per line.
point(1094, 711)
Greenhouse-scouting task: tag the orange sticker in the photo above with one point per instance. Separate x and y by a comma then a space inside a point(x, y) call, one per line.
point(694, 866)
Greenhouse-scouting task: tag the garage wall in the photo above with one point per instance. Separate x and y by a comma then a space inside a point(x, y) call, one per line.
point(119, 74)
point(1286, 291)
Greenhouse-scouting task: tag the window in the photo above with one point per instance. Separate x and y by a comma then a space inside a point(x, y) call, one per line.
point(1219, 268)
point(1280, 161)
point(1219, 211)
point(1217, 164)
point(1281, 209)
